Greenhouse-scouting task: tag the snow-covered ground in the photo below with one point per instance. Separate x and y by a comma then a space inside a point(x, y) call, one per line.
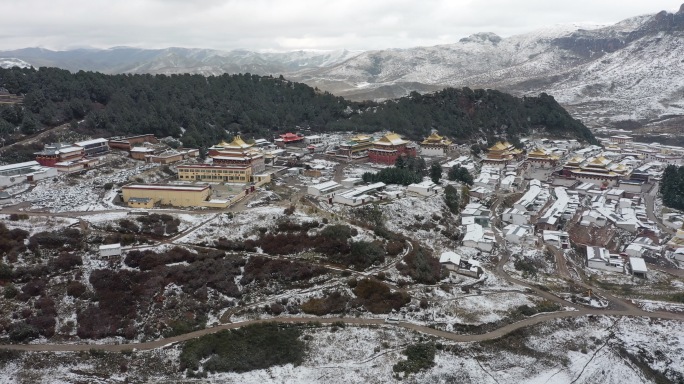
point(582, 350)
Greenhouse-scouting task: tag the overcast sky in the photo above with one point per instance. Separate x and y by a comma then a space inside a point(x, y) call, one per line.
point(292, 24)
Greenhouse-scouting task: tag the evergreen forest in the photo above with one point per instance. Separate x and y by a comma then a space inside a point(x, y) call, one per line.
point(672, 187)
point(203, 110)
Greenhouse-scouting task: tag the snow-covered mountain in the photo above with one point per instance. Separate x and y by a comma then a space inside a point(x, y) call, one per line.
point(180, 60)
point(632, 70)
point(10, 62)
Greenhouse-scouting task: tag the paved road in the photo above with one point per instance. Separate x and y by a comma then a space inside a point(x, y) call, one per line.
point(649, 201)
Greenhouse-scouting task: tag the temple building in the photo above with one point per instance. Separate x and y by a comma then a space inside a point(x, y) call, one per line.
point(572, 165)
point(288, 138)
point(238, 154)
point(600, 171)
point(501, 154)
point(540, 158)
point(57, 153)
point(436, 145)
point(357, 147)
point(388, 148)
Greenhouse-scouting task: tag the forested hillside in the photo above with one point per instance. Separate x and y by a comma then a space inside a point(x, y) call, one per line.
point(202, 110)
point(672, 187)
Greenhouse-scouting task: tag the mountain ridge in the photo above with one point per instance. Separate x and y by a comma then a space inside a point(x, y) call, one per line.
point(603, 74)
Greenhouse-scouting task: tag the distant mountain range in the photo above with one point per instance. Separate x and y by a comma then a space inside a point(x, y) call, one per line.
point(178, 60)
point(628, 73)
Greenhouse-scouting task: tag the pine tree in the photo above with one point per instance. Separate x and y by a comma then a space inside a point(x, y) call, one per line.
point(451, 199)
point(435, 172)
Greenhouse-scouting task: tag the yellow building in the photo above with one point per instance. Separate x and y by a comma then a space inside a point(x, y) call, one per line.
point(540, 158)
point(225, 172)
point(238, 153)
point(436, 145)
point(501, 154)
point(146, 195)
point(356, 147)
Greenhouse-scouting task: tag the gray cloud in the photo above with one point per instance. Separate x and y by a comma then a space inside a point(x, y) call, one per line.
point(292, 24)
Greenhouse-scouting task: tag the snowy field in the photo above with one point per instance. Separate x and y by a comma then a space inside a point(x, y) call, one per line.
point(74, 193)
point(582, 350)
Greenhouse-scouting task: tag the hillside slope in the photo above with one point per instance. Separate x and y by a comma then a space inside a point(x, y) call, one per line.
point(203, 110)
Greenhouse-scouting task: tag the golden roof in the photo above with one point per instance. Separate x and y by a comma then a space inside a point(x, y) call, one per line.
point(600, 160)
point(391, 139)
point(538, 152)
point(435, 138)
point(238, 142)
point(360, 138)
point(500, 146)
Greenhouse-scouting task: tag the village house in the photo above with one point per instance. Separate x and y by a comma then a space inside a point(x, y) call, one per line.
point(478, 212)
point(424, 188)
point(453, 262)
point(600, 258)
point(515, 216)
point(479, 238)
point(520, 234)
point(480, 193)
point(637, 267)
point(558, 239)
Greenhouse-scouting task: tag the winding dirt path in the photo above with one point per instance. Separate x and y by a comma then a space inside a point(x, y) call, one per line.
point(497, 333)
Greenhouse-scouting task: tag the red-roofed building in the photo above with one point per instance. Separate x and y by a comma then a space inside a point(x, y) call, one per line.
point(291, 138)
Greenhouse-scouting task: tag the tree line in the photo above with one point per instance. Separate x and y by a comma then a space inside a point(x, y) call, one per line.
point(203, 110)
point(672, 187)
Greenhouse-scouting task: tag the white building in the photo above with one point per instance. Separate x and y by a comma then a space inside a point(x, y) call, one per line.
point(110, 250)
point(527, 200)
point(600, 258)
point(515, 216)
point(352, 182)
point(359, 195)
point(312, 140)
point(323, 189)
point(519, 234)
point(558, 239)
point(13, 174)
point(424, 188)
point(477, 237)
point(507, 183)
point(454, 263)
point(637, 267)
point(450, 260)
